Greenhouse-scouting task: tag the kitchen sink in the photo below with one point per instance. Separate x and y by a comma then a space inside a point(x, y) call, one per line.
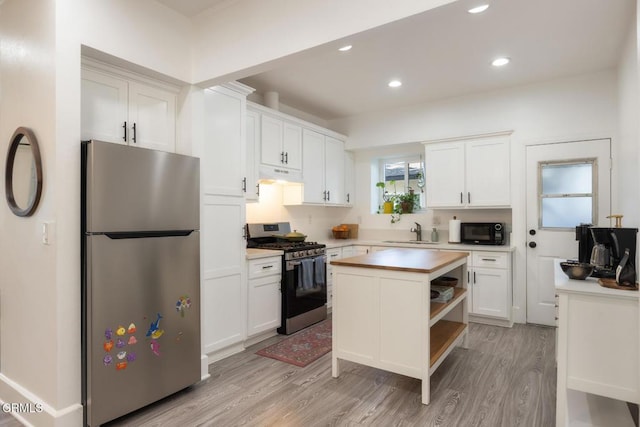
point(413, 242)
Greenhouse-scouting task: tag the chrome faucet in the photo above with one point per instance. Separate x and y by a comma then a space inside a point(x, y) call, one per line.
point(418, 230)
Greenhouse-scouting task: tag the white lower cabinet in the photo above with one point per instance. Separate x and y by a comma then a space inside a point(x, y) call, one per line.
point(490, 287)
point(264, 302)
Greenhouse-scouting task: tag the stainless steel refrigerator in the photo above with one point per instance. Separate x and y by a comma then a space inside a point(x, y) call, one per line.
point(140, 277)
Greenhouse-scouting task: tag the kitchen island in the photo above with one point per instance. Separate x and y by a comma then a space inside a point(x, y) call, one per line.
point(383, 315)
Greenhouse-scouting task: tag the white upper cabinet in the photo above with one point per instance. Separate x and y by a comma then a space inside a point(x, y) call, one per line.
point(152, 117)
point(322, 172)
point(120, 109)
point(280, 147)
point(349, 178)
point(334, 171)
point(469, 173)
point(224, 142)
point(314, 190)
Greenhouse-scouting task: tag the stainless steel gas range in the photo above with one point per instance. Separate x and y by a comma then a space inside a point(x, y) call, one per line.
point(304, 275)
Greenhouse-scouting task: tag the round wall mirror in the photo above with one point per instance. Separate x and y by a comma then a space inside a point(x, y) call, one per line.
point(23, 173)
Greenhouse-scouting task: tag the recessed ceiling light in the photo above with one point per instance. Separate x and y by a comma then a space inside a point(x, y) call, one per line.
point(499, 62)
point(479, 9)
point(395, 83)
point(345, 48)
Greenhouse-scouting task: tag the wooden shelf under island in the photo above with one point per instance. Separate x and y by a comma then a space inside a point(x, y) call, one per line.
point(383, 315)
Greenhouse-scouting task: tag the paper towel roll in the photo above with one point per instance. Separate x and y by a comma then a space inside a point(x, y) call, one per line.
point(454, 231)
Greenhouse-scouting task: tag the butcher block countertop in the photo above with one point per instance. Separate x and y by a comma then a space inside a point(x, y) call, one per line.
point(413, 260)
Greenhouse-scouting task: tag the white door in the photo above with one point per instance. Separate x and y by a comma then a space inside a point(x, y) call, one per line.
point(567, 184)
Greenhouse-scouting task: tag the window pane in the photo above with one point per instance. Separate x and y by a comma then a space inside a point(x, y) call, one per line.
point(566, 212)
point(567, 179)
point(394, 171)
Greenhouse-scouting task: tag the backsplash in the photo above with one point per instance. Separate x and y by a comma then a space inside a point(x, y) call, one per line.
point(316, 221)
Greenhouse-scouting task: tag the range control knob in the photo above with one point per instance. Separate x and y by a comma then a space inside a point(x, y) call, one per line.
point(498, 227)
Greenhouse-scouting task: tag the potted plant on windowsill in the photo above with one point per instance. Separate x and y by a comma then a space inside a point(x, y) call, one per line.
point(387, 205)
point(408, 201)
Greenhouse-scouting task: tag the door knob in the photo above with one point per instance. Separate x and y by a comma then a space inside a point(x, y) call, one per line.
point(532, 244)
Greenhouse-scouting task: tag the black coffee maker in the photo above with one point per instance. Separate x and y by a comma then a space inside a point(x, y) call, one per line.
point(610, 245)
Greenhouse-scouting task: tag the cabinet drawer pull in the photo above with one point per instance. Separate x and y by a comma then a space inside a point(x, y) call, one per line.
point(333, 255)
point(489, 259)
point(264, 267)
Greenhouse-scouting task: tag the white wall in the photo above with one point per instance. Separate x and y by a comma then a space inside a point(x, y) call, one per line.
point(627, 152)
point(32, 336)
point(251, 34)
point(580, 107)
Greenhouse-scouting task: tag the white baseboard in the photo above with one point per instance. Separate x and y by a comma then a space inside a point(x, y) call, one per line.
point(490, 321)
point(214, 356)
point(34, 411)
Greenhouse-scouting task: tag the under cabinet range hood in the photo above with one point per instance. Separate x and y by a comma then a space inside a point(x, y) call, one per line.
point(278, 173)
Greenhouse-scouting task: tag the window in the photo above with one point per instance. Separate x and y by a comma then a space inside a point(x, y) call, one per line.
point(567, 193)
point(402, 174)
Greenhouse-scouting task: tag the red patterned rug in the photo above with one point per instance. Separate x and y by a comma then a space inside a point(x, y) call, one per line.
point(303, 347)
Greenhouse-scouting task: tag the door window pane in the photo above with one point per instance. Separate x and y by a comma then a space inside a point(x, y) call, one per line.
point(566, 212)
point(566, 195)
point(567, 178)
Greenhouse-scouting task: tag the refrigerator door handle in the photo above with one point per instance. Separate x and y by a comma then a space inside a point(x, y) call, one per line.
point(146, 234)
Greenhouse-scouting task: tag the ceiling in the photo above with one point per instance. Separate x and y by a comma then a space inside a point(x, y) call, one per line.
point(191, 8)
point(446, 52)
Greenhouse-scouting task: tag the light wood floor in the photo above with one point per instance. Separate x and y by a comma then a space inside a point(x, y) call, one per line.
point(507, 377)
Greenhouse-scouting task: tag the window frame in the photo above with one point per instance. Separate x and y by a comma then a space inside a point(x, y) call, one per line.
point(407, 159)
point(593, 161)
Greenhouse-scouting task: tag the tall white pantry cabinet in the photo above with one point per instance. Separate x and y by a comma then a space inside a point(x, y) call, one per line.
point(223, 185)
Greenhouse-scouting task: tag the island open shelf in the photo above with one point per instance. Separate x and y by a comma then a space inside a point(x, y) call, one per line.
point(383, 315)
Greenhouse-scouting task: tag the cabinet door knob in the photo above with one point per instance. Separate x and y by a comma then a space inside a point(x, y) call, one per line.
point(328, 195)
point(244, 184)
point(348, 201)
point(461, 201)
point(469, 197)
point(282, 157)
point(286, 158)
point(124, 126)
point(134, 134)
point(532, 244)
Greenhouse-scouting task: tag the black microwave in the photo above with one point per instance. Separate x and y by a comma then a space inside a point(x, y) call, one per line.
point(482, 233)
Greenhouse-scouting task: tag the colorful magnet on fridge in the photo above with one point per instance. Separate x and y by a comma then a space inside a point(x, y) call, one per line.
point(108, 333)
point(179, 336)
point(120, 331)
point(107, 360)
point(184, 302)
point(157, 334)
point(131, 329)
point(131, 357)
point(155, 347)
point(132, 340)
point(121, 365)
point(154, 325)
point(108, 345)
point(121, 355)
point(120, 343)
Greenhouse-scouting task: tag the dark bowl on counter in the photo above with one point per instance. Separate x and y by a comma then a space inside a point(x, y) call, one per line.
point(576, 270)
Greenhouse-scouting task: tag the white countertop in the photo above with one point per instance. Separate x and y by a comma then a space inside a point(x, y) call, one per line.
point(339, 243)
point(588, 286)
point(253, 253)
